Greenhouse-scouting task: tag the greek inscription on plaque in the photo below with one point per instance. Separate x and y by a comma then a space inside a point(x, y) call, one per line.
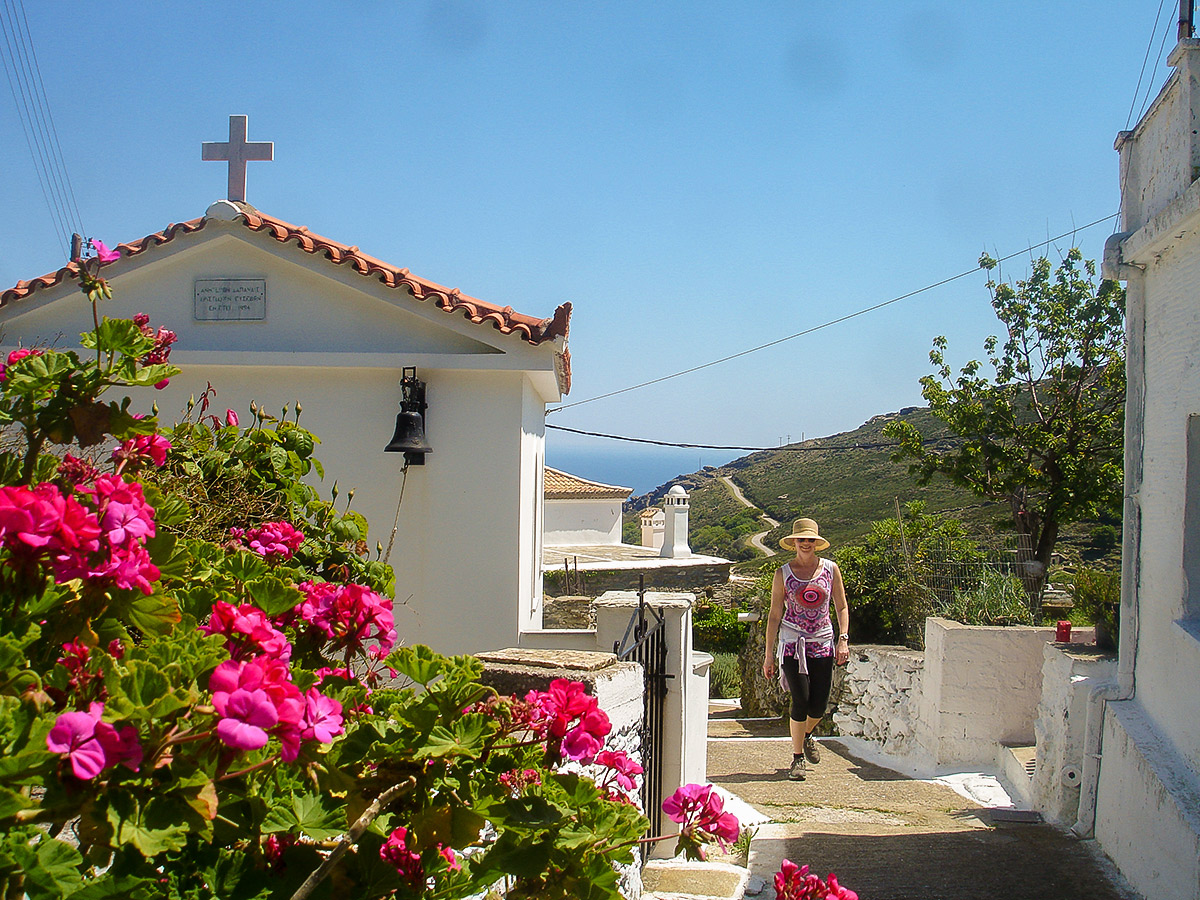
point(230, 299)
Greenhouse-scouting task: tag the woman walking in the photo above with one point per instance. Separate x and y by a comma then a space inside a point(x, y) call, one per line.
point(800, 636)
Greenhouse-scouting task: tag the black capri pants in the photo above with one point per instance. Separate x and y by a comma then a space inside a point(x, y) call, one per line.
point(810, 693)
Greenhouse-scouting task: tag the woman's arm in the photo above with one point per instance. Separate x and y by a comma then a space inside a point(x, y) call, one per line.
point(842, 608)
point(773, 619)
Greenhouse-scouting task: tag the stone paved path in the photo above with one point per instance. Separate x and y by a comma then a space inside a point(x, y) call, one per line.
point(889, 837)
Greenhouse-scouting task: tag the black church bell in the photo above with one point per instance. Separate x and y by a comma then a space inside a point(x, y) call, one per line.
point(409, 438)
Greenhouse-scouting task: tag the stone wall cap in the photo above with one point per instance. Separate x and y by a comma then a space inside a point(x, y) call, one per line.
point(657, 599)
point(583, 660)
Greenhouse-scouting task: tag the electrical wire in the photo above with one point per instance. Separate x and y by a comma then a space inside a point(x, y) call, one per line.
point(788, 449)
point(823, 325)
point(1150, 84)
point(1150, 43)
point(41, 135)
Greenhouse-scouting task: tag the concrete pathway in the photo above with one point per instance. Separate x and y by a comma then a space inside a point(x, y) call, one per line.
point(755, 540)
point(889, 837)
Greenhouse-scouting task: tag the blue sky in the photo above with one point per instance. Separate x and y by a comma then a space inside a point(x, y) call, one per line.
point(697, 178)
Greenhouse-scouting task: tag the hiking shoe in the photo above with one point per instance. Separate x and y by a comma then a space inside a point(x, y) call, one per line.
point(812, 750)
point(796, 772)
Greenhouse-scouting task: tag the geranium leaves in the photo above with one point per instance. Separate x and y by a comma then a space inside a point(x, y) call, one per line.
point(317, 816)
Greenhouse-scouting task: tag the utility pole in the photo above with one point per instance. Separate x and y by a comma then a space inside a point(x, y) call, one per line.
point(1187, 11)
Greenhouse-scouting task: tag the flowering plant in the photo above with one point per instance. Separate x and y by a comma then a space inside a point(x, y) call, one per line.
point(202, 692)
point(793, 882)
point(699, 811)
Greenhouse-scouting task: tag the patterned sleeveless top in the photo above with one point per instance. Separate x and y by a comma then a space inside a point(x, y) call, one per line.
point(806, 608)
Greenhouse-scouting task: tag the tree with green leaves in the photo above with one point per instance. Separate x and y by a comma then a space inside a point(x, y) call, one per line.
point(1045, 432)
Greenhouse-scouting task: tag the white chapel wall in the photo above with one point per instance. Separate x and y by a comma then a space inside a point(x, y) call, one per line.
point(583, 521)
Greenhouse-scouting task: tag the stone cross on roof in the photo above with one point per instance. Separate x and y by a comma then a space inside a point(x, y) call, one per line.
point(237, 152)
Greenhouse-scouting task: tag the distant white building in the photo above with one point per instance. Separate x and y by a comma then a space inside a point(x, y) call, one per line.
point(653, 524)
point(579, 511)
point(1140, 792)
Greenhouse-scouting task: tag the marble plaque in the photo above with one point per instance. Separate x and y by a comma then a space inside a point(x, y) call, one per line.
point(230, 299)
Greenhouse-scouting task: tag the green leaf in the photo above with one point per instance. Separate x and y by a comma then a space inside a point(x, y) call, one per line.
point(245, 566)
point(320, 818)
point(532, 812)
point(511, 855)
point(273, 595)
point(419, 663)
point(464, 738)
point(159, 827)
point(153, 614)
point(54, 872)
point(11, 801)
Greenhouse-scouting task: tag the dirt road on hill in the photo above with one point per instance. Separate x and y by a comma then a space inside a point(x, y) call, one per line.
point(755, 540)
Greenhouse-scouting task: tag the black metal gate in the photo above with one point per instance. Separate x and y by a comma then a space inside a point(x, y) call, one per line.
point(645, 642)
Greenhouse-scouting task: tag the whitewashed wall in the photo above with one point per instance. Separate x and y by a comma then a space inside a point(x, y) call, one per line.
point(581, 521)
point(1069, 674)
point(1146, 810)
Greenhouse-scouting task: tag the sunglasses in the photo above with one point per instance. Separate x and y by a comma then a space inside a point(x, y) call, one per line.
point(805, 540)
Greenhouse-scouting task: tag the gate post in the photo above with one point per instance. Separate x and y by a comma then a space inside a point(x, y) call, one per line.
point(683, 741)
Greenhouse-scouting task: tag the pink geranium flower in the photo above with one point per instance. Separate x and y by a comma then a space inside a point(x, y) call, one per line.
point(322, 717)
point(396, 852)
point(103, 253)
point(257, 697)
point(246, 717)
point(273, 540)
point(621, 765)
point(447, 853)
point(92, 745)
point(152, 447)
point(74, 733)
point(568, 717)
point(699, 810)
point(250, 631)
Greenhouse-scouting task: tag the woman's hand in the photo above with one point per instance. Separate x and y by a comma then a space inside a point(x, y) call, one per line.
point(768, 667)
point(842, 651)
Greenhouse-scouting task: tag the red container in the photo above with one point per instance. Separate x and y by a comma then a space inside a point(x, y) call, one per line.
point(1062, 633)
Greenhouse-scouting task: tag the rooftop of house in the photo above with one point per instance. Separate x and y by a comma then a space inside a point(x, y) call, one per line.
point(503, 318)
point(564, 486)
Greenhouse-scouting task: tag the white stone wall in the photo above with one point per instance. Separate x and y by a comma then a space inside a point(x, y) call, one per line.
point(583, 521)
point(1147, 809)
point(981, 689)
point(880, 697)
point(1069, 673)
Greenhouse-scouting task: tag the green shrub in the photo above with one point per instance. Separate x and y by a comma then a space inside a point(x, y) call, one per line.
point(716, 629)
point(998, 599)
point(890, 593)
point(1097, 597)
point(724, 678)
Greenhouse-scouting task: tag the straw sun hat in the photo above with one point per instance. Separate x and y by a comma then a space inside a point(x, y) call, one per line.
point(804, 528)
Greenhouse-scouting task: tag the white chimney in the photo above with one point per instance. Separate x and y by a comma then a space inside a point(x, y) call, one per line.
point(675, 535)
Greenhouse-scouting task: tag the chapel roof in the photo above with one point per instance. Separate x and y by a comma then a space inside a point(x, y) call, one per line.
point(504, 319)
point(564, 486)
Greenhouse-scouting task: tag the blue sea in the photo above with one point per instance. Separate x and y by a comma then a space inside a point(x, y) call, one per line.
point(628, 466)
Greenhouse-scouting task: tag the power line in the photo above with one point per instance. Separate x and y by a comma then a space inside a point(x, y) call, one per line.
point(1150, 43)
point(41, 135)
point(831, 322)
point(787, 449)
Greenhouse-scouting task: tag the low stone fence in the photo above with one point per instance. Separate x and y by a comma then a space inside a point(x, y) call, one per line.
point(879, 698)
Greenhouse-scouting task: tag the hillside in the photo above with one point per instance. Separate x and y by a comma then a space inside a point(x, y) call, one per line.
point(845, 490)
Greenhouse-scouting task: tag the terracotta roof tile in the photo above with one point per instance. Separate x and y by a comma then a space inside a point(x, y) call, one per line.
point(563, 486)
point(503, 318)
